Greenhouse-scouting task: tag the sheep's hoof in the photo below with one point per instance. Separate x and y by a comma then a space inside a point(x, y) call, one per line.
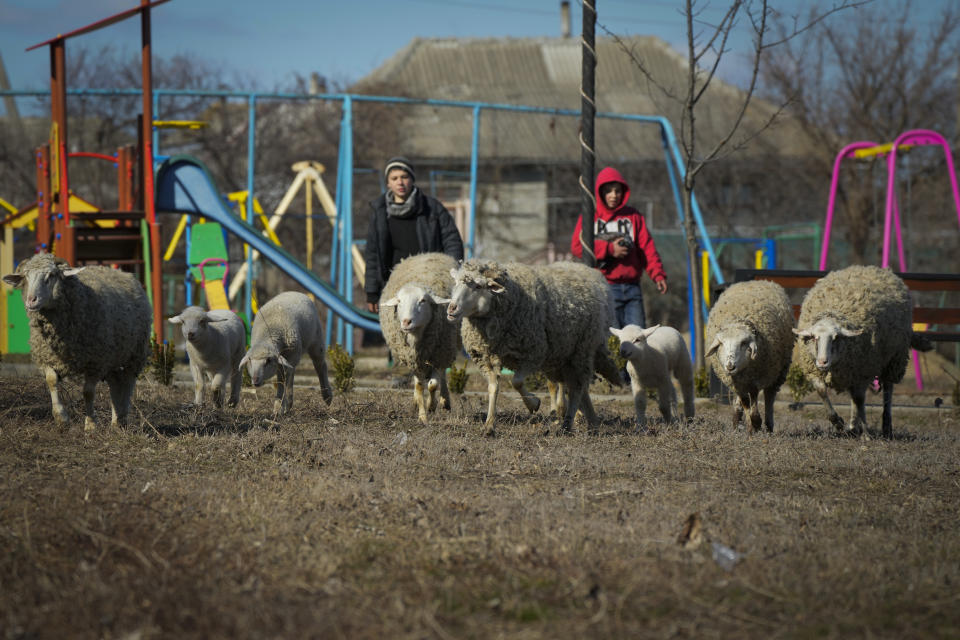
point(489, 432)
point(89, 425)
point(533, 404)
point(837, 422)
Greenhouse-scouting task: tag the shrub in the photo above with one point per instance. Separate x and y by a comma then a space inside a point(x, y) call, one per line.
point(613, 344)
point(162, 360)
point(799, 385)
point(343, 365)
point(701, 383)
point(457, 379)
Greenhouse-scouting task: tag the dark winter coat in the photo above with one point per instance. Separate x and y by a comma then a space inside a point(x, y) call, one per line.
point(436, 232)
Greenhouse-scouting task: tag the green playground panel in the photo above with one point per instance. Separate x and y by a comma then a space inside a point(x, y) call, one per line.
point(18, 327)
point(206, 241)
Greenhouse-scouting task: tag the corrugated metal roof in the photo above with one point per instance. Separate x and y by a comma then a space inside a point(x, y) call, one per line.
point(545, 72)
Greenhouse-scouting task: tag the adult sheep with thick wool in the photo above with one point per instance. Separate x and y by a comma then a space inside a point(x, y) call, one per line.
point(285, 328)
point(89, 322)
point(654, 355)
point(750, 339)
point(215, 343)
point(855, 326)
point(550, 318)
point(414, 324)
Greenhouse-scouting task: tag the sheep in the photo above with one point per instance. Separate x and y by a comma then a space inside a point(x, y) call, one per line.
point(551, 318)
point(856, 326)
point(653, 355)
point(216, 341)
point(415, 327)
point(284, 328)
point(92, 322)
point(749, 333)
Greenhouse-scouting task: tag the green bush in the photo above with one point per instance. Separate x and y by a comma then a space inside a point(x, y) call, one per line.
point(343, 366)
point(613, 344)
point(457, 378)
point(798, 383)
point(162, 360)
point(701, 383)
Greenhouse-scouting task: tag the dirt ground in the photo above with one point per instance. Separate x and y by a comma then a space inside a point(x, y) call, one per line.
point(355, 521)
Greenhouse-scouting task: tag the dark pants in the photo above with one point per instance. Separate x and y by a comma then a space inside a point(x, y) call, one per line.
point(628, 303)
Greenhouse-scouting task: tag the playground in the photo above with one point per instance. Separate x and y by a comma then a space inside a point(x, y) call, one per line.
point(357, 520)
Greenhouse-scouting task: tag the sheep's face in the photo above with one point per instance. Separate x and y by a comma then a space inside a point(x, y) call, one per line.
point(824, 341)
point(42, 285)
point(735, 347)
point(413, 307)
point(193, 323)
point(263, 365)
point(633, 340)
point(472, 295)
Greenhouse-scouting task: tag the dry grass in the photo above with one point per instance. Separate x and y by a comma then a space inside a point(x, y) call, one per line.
point(354, 521)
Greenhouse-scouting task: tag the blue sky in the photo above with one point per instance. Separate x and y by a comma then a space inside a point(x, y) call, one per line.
point(269, 41)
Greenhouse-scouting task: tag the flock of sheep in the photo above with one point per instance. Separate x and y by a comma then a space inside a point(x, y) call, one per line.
point(854, 328)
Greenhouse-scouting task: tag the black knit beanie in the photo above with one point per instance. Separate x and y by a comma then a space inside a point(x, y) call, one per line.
point(399, 162)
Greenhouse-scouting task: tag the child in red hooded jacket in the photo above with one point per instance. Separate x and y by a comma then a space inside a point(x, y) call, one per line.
point(623, 247)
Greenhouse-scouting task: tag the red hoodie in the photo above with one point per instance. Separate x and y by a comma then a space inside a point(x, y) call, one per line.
point(623, 219)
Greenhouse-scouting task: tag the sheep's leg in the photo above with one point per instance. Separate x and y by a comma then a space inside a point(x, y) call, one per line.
point(444, 390)
point(858, 413)
point(756, 423)
point(553, 388)
point(236, 382)
point(589, 414)
point(834, 417)
point(685, 378)
point(577, 389)
point(667, 401)
point(121, 390)
point(561, 400)
point(493, 388)
point(769, 397)
point(317, 357)
point(433, 384)
point(89, 392)
point(738, 410)
point(639, 398)
point(60, 414)
point(420, 399)
point(284, 398)
point(198, 381)
point(887, 388)
point(219, 386)
point(530, 401)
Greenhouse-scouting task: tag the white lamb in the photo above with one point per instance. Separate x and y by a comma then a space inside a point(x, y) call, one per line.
point(285, 328)
point(215, 342)
point(414, 324)
point(653, 355)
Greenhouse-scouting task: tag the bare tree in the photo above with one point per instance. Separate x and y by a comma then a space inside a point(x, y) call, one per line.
point(868, 79)
point(707, 46)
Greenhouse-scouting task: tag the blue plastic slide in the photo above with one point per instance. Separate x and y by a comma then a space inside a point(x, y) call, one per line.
point(184, 185)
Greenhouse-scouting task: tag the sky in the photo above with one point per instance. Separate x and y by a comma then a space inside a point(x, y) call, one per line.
point(343, 40)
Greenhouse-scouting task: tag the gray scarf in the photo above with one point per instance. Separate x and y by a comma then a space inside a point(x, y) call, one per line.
point(403, 209)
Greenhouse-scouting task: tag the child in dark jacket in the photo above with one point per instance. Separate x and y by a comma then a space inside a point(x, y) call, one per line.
point(623, 247)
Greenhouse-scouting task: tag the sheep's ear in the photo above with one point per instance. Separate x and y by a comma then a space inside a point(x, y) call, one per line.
point(283, 361)
point(752, 349)
point(803, 334)
point(13, 279)
point(177, 319)
point(713, 348)
point(440, 301)
point(850, 333)
point(68, 273)
point(648, 332)
point(212, 318)
point(616, 332)
point(244, 361)
point(496, 287)
point(392, 302)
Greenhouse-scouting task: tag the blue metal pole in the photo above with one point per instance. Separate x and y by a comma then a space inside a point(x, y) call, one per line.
point(474, 162)
point(346, 262)
point(251, 140)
